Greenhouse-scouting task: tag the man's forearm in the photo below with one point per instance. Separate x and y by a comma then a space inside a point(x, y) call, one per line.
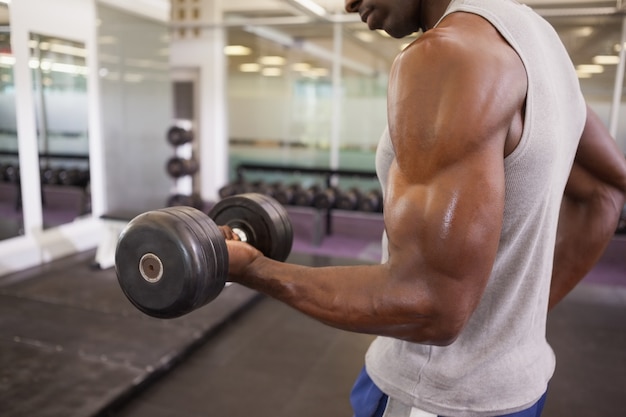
point(585, 229)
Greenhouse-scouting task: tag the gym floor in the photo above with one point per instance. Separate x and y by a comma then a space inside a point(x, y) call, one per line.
point(71, 345)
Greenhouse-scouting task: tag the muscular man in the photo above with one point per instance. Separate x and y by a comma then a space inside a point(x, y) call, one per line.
point(501, 190)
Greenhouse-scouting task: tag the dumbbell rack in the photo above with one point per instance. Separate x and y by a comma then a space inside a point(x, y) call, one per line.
point(182, 166)
point(67, 177)
point(330, 177)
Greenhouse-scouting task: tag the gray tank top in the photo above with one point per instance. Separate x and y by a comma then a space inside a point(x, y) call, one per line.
point(501, 363)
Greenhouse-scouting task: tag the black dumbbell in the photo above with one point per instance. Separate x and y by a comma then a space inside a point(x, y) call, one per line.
point(3, 172)
point(172, 261)
point(349, 199)
point(179, 167)
point(235, 188)
point(305, 196)
point(12, 174)
point(69, 176)
point(284, 194)
point(372, 202)
point(325, 199)
point(177, 136)
point(50, 176)
point(260, 187)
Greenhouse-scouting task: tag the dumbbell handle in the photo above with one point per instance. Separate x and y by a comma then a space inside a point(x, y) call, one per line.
point(241, 234)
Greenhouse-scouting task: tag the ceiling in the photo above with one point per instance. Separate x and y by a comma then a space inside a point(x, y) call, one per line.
point(587, 27)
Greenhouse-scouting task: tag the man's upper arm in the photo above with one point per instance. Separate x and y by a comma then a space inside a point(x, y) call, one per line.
point(445, 198)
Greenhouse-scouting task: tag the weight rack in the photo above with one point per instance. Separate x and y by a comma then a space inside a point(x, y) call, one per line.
point(329, 175)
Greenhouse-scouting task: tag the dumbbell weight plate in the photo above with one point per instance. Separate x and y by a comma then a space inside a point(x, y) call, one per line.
point(348, 200)
point(171, 261)
point(264, 221)
point(371, 202)
point(178, 167)
point(68, 176)
point(12, 174)
point(177, 136)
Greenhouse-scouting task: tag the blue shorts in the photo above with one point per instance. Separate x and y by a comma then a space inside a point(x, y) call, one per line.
point(369, 401)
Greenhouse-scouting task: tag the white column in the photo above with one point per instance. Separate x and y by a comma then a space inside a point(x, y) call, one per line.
point(99, 204)
point(26, 120)
point(619, 82)
point(335, 130)
point(213, 110)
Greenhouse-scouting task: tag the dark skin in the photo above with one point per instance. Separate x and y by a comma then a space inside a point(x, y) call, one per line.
point(451, 127)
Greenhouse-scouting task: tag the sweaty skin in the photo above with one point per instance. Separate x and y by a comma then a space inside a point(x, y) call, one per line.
point(455, 110)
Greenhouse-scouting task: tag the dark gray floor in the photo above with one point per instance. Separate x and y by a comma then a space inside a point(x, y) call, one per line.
point(71, 345)
point(275, 362)
point(588, 333)
point(271, 362)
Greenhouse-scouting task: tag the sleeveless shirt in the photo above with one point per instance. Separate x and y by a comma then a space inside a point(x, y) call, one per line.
point(501, 362)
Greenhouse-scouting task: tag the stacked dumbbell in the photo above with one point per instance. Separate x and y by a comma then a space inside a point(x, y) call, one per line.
point(10, 173)
point(282, 193)
point(352, 199)
point(316, 195)
point(172, 261)
point(179, 167)
point(68, 176)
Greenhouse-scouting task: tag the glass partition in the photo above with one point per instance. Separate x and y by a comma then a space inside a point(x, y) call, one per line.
point(280, 87)
point(60, 87)
point(281, 95)
point(10, 199)
point(593, 43)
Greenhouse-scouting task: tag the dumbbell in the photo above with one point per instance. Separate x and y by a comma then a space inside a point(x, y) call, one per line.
point(372, 202)
point(348, 200)
point(325, 199)
point(69, 176)
point(284, 194)
point(260, 187)
point(234, 188)
point(12, 174)
point(304, 196)
point(180, 167)
point(50, 176)
point(177, 136)
point(172, 261)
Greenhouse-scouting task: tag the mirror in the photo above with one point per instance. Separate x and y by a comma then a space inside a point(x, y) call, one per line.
point(10, 200)
point(60, 93)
